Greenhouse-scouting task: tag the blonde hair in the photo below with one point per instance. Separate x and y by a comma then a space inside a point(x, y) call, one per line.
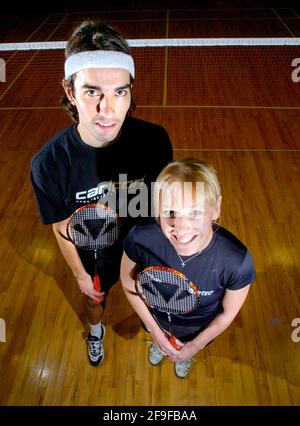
point(188, 170)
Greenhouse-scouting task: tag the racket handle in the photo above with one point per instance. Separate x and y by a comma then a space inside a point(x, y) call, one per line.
point(97, 286)
point(172, 340)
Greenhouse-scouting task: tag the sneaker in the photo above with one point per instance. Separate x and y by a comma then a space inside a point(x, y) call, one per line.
point(95, 348)
point(182, 368)
point(155, 356)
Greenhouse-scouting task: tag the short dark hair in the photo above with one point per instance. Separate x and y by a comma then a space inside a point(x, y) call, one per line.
point(89, 36)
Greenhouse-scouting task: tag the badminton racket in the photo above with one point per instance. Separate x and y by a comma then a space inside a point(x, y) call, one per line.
point(169, 291)
point(94, 227)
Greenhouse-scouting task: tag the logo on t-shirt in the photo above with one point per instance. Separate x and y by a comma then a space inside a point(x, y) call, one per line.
point(94, 194)
point(104, 189)
point(206, 292)
point(128, 197)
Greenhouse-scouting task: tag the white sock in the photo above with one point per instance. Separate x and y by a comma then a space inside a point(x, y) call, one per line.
point(96, 329)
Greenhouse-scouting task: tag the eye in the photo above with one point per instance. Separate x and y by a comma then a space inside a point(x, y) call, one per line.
point(92, 93)
point(169, 213)
point(122, 92)
point(197, 213)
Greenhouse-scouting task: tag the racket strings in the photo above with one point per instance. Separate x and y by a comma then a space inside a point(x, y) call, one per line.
point(94, 228)
point(167, 292)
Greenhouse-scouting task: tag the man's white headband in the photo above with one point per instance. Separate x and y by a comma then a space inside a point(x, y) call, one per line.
point(98, 59)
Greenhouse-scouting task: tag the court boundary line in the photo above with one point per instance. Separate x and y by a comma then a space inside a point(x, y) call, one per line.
point(30, 60)
point(27, 40)
point(40, 26)
point(284, 23)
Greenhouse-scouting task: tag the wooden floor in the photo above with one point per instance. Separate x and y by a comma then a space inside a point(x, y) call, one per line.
point(248, 128)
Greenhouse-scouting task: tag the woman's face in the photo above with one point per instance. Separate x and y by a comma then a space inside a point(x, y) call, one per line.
point(186, 222)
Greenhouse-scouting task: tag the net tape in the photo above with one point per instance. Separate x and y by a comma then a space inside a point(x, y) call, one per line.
point(171, 42)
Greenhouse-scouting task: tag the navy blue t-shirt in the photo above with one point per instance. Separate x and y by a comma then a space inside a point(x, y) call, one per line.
point(224, 264)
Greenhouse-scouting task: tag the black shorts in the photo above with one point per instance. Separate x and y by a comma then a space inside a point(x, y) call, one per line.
point(108, 265)
point(183, 331)
point(185, 337)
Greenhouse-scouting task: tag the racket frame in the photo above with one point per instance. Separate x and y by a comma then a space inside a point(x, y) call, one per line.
point(169, 335)
point(96, 278)
point(87, 206)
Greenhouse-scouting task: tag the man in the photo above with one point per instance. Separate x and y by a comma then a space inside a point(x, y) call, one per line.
point(105, 148)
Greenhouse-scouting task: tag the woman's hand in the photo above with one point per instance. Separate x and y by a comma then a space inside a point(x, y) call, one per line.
point(163, 344)
point(187, 351)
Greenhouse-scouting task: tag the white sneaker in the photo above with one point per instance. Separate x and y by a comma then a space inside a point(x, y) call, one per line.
point(95, 348)
point(155, 356)
point(182, 368)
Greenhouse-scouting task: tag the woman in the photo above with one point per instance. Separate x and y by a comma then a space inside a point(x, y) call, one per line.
point(186, 237)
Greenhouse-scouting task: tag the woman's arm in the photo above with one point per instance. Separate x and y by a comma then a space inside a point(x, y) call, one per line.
point(129, 271)
point(232, 302)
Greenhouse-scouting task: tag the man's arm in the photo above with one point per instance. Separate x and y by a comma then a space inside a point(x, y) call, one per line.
point(72, 258)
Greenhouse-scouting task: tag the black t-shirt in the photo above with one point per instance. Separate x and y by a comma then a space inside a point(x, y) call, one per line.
point(224, 264)
point(66, 173)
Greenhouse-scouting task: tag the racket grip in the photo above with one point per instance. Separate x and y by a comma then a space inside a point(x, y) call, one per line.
point(172, 340)
point(97, 286)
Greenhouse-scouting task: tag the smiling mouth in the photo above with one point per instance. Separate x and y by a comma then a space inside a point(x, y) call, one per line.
point(184, 239)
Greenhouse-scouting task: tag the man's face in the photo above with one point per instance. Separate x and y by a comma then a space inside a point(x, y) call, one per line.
point(102, 97)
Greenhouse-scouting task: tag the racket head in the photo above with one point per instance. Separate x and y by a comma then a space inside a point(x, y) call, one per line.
point(167, 290)
point(94, 226)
